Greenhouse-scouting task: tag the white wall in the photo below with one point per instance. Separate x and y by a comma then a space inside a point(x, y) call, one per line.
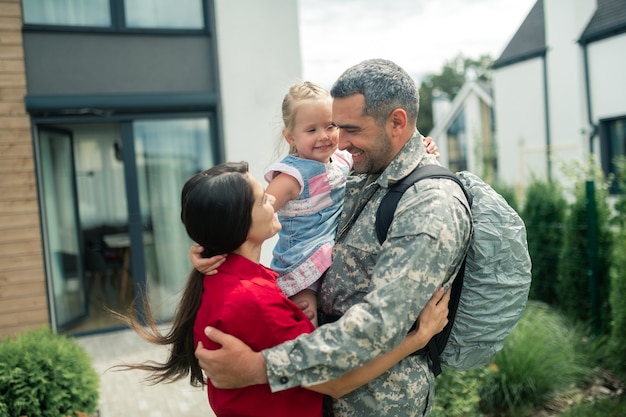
point(607, 77)
point(565, 21)
point(473, 128)
point(258, 44)
point(520, 122)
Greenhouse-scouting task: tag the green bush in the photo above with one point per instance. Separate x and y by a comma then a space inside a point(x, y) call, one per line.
point(43, 374)
point(544, 214)
point(456, 393)
point(539, 358)
point(573, 285)
point(617, 341)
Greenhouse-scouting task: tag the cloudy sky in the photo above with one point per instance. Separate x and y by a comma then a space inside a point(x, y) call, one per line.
point(419, 35)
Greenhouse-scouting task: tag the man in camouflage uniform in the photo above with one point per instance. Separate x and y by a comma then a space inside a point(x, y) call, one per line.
point(377, 290)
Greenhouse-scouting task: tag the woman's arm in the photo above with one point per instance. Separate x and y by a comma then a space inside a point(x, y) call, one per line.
point(430, 321)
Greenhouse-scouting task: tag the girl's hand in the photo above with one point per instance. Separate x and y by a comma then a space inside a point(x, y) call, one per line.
point(431, 146)
point(207, 266)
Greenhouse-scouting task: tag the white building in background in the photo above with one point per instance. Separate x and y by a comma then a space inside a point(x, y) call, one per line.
point(463, 130)
point(560, 89)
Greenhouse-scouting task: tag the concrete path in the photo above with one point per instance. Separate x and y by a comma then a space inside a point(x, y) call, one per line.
point(126, 394)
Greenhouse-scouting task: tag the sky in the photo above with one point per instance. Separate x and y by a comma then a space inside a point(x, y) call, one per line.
point(419, 35)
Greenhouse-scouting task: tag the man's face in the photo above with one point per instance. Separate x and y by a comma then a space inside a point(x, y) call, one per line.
point(361, 136)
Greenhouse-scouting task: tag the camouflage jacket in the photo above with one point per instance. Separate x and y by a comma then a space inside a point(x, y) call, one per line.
point(380, 290)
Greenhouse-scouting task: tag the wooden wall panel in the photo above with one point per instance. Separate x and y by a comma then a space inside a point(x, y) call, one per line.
point(23, 300)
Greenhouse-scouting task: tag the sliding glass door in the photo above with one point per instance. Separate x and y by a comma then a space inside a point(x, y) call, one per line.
point(66, 284)
point(167, 153)
point(110, 194)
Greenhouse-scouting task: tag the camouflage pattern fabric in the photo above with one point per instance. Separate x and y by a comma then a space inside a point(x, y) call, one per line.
point(380, 290)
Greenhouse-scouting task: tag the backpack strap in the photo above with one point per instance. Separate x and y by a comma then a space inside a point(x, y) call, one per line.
point(384, 217)
point(387, 207)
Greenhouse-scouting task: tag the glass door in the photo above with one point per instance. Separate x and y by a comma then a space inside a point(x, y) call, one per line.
point(167, 152)
point(66, 285)
point(111, 204)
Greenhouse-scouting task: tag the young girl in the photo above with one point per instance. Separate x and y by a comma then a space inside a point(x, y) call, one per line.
point(226, 210)
point(309, 186)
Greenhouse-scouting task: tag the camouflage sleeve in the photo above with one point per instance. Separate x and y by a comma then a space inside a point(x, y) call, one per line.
point(421, 252)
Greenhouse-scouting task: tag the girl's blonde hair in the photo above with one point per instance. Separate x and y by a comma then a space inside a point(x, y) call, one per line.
point(294, 97)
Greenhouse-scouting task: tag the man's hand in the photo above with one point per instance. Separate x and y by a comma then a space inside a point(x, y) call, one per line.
point(234, 365)
point(207, 266)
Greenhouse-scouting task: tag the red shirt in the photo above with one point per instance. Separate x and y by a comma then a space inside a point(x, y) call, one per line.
point(242, 299)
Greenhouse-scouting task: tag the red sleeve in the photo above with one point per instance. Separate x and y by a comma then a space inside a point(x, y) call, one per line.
point(260, 316)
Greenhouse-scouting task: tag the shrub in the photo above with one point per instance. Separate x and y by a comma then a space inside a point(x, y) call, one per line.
point(617, 341)
point(456, 393)
point(43, 374)
point(539, 358)
point(543, 214)
point(573, 285)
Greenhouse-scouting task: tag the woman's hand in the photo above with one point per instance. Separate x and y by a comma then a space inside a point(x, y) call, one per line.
point(207, 266)
point(431, 320)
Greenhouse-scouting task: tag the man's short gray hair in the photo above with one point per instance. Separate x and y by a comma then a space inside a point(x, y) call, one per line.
point(385, 86)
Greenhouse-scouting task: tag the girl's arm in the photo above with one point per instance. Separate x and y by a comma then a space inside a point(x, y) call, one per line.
point(283, 188)
point(432, 319)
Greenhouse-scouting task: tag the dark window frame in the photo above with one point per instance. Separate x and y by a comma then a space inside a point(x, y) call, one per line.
point(607, 151)
point(118, 24)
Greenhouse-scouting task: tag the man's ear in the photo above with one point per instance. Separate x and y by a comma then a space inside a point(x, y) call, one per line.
point(397, 122)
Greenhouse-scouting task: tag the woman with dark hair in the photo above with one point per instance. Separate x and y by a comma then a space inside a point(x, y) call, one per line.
point(226, 210)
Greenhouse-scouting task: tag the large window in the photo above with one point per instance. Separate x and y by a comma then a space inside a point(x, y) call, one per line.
point(116, 14)
point(179, 14)
point(613, 144)
point(67, 12)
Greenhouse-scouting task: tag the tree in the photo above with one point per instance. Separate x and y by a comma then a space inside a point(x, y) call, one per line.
point(544, 214)
point(617, 341)
point(454, 74)
point(574, 290)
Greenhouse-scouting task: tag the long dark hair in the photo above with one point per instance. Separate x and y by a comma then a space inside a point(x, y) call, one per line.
point(216, 209)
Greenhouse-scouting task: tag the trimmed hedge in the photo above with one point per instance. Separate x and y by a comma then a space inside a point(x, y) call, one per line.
point(43, 374)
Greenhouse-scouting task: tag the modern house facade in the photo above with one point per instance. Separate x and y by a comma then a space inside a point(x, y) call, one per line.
point(559, 89)
point(107, 107)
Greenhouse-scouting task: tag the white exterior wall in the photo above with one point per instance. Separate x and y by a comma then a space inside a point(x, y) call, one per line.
point(520, 122)
point(565, 21)
point(258, 43)
point(473, 129)
point(607, 77)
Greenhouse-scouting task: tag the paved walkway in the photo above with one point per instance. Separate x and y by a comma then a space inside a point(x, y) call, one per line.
point(126, 394)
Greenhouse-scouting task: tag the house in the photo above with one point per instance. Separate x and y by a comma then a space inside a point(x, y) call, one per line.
point(559, 89)
point(464, 130)
point(107, 107)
